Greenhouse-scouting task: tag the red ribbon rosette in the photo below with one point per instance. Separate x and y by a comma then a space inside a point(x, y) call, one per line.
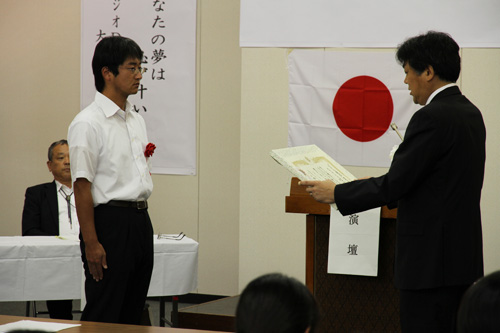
point(150, 149)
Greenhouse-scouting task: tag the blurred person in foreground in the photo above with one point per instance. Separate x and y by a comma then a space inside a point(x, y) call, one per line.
point(479, 310)
point(275, 303)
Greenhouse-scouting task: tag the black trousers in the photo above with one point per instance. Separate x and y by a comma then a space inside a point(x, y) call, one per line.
point(127, 237)
point(62, 309)
point(430, 310)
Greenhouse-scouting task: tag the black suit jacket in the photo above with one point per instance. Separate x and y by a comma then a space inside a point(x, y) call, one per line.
point(435, 179)
point(41, 211)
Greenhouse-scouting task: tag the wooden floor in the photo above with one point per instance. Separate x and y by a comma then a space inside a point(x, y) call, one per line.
point(217, 315)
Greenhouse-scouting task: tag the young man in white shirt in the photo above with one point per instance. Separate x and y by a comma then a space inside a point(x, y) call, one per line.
point(112, 182)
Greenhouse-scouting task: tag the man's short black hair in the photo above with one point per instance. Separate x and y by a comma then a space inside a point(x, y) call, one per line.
point(53, 145)
point(111, 52)
point(436, 49)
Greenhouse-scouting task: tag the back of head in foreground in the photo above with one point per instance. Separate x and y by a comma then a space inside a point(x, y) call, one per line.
point(480, 307)
point(278, 304)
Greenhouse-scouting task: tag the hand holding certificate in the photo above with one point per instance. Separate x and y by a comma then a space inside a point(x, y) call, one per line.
point(316, 170)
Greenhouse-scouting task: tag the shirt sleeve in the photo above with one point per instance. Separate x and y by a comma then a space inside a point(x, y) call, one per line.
point(83, 150)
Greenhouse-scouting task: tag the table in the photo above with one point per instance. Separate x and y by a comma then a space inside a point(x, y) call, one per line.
point(50, 268)
point(93, 327)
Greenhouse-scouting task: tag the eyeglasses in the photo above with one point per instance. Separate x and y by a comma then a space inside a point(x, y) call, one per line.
point(136, 70)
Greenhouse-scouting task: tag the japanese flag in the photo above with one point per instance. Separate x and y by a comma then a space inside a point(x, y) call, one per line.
point(345, 102)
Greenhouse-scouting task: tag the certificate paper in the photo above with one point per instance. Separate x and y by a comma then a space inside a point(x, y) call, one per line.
point(311, 163)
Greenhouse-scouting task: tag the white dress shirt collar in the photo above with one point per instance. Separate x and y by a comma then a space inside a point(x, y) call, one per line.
point(437, 91)
point(109, 107)
point(66, 189)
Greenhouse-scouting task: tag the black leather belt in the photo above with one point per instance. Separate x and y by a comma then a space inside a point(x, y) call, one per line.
point(129, 204)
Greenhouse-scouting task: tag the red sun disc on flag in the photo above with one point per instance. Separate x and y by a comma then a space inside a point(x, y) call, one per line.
point(363, 108)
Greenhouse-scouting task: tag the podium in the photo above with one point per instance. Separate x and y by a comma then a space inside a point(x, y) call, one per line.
point(348, 303)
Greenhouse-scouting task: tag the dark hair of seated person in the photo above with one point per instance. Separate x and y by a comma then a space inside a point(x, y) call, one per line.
point(479, 309)
point(278, 304)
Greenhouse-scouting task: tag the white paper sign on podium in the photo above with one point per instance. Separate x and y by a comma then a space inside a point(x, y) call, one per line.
point(353, 243)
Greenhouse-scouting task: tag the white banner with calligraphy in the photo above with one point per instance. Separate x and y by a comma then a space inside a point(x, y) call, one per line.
point(353, 243)
point(166, 32)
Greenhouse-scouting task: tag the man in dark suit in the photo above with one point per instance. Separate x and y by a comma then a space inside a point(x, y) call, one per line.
point(435, 180)
point(46, 212)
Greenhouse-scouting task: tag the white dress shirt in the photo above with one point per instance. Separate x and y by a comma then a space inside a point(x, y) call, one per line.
point(66, 227)
point(106, 146)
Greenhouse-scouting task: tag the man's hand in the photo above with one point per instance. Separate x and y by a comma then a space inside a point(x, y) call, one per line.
point(94, 252)
point(96, 259)
point(322, 191)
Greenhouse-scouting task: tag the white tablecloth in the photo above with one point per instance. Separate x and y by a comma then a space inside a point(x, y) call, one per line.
point(47, 268)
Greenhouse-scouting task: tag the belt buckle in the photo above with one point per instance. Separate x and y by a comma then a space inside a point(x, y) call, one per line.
point(142, 204)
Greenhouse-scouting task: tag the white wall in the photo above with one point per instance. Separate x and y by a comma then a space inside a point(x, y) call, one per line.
point(270, 240)
point(481, 84)
point(234, 206)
